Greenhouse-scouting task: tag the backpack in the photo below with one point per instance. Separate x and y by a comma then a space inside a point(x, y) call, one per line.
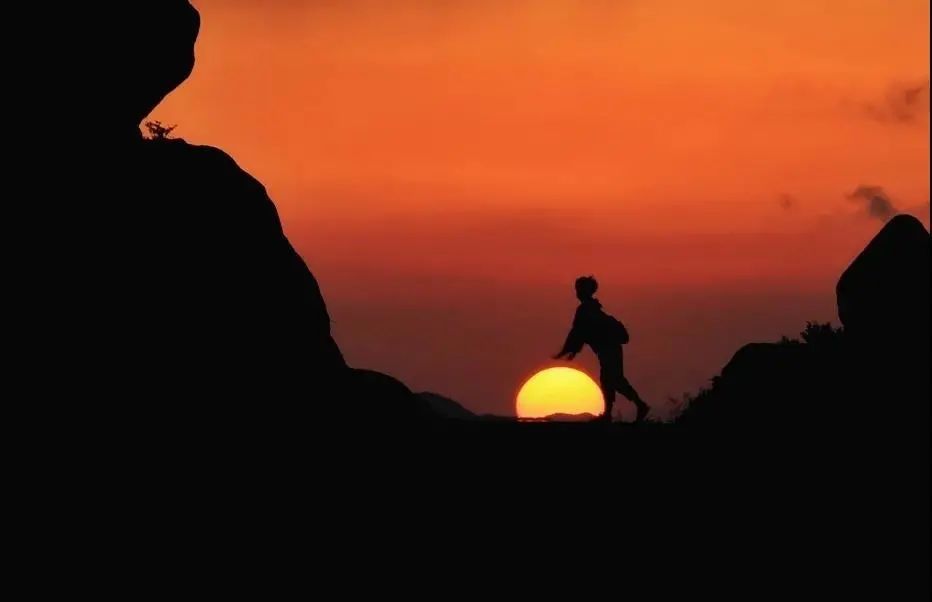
point(617, 329)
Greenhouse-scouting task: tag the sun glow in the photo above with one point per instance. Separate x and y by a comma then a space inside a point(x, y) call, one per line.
point(559, 390)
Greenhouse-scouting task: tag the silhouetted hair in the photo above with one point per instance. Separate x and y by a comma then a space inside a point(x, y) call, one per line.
point(586, 286)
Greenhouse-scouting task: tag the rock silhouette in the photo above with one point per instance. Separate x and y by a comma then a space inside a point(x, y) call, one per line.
point(199, 296)
point(884, 293)
point(883, 302)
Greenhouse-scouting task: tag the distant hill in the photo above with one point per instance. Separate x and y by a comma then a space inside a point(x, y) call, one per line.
point(560, 417)
point(557, 417)
point(446, 407)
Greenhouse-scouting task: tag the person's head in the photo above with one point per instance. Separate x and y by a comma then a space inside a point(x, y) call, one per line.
point(586, 286)
point(142, 50)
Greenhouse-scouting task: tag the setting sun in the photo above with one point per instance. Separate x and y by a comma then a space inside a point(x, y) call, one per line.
point(559, 390)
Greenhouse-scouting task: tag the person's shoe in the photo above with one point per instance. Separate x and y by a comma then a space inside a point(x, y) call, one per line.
point(643, 411)
point(603, 417)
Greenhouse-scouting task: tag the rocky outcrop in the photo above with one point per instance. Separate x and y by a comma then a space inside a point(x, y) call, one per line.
point(883, 296)
point(193, 293)
point(873, 372)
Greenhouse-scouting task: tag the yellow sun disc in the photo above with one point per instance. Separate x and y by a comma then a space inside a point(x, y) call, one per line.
point(559, 391)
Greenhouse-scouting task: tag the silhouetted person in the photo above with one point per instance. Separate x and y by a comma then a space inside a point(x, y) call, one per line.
point(605, 335)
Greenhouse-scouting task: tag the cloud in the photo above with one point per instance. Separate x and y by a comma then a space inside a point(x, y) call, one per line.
point(876, 201)
point(903, 103)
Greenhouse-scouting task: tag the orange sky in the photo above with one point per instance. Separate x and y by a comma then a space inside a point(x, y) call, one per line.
point(448, 168)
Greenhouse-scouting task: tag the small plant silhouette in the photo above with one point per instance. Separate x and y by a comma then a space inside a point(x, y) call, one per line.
point(816, 334)
point(158, 131)
point(821, 334)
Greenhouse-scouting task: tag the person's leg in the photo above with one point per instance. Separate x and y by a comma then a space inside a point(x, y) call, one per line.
point(608, 391)
point(626, 389)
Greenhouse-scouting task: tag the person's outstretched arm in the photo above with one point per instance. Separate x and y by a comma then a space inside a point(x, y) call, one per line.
point(574, 341)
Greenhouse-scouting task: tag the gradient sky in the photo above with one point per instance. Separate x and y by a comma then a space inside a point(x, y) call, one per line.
point(448, 168)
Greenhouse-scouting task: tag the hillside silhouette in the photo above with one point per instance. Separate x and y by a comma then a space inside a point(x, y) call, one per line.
point(873, 371)
point(198, 293)
point(445, 407)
